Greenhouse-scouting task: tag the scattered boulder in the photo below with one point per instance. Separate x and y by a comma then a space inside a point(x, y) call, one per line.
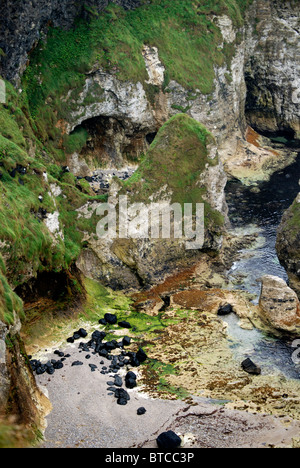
point(251, 368)
point(168, 440)
point(141, 411)
point(122, 396)
point(134, 361)
point(58, 365)
point(126, 341)
point(130, 380)
point(82, 332)
point(111, 319)
point(118, 381)
point(97, 335)
point(141, 355)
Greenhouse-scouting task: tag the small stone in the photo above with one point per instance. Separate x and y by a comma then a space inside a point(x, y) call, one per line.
point(50, 370)
point(82, 332)
point(124, 324)
point(126, 341)
point(77, 363)
point(225, 310)
point(118, 381)
point(58, 365)
point(141, 355)
point(103, 353)
point(251, 368)
point(122, 394)
point(130, 380)
point(141, 411)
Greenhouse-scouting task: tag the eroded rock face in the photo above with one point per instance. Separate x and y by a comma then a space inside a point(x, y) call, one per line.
point(288, 243)
point(143, 256)
point(17, 384)
point(269, 92)
point(222, 112)
point(272, 68)
point(279, 304)
point(4, 376)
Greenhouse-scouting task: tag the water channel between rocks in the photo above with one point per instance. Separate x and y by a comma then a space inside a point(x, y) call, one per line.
point(258, 210)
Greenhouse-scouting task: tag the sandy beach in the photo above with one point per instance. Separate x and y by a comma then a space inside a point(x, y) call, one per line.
point(86, 415)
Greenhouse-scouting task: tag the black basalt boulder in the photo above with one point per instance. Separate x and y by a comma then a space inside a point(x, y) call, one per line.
point(111, 319)
point(130, 380)
point(225, 310)
point(251, 368)
point(124, 324)
point(126, 341)
point(122, 396)
point(141, 355)
point(168, 440)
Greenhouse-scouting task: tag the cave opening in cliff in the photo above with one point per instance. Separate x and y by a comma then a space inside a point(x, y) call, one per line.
point(57, 290)
point(114, 143)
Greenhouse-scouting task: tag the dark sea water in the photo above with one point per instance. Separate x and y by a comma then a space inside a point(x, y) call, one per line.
point(260, 211)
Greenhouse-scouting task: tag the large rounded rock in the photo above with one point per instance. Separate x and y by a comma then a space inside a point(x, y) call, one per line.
point(279, 304)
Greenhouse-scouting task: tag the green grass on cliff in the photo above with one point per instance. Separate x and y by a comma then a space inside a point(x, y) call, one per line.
point(188, 39)
point(26, 244)
point(10, 303)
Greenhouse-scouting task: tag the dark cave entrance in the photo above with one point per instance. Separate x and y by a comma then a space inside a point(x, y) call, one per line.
point(49, 297)
point(52, 290)
point(114, 143)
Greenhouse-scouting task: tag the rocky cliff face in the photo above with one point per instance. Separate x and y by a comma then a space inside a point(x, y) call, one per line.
point(288, 244)
point(25, 22)
point(141, 256)
point(84, 103)
point(272, 67)
point(253, 86)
